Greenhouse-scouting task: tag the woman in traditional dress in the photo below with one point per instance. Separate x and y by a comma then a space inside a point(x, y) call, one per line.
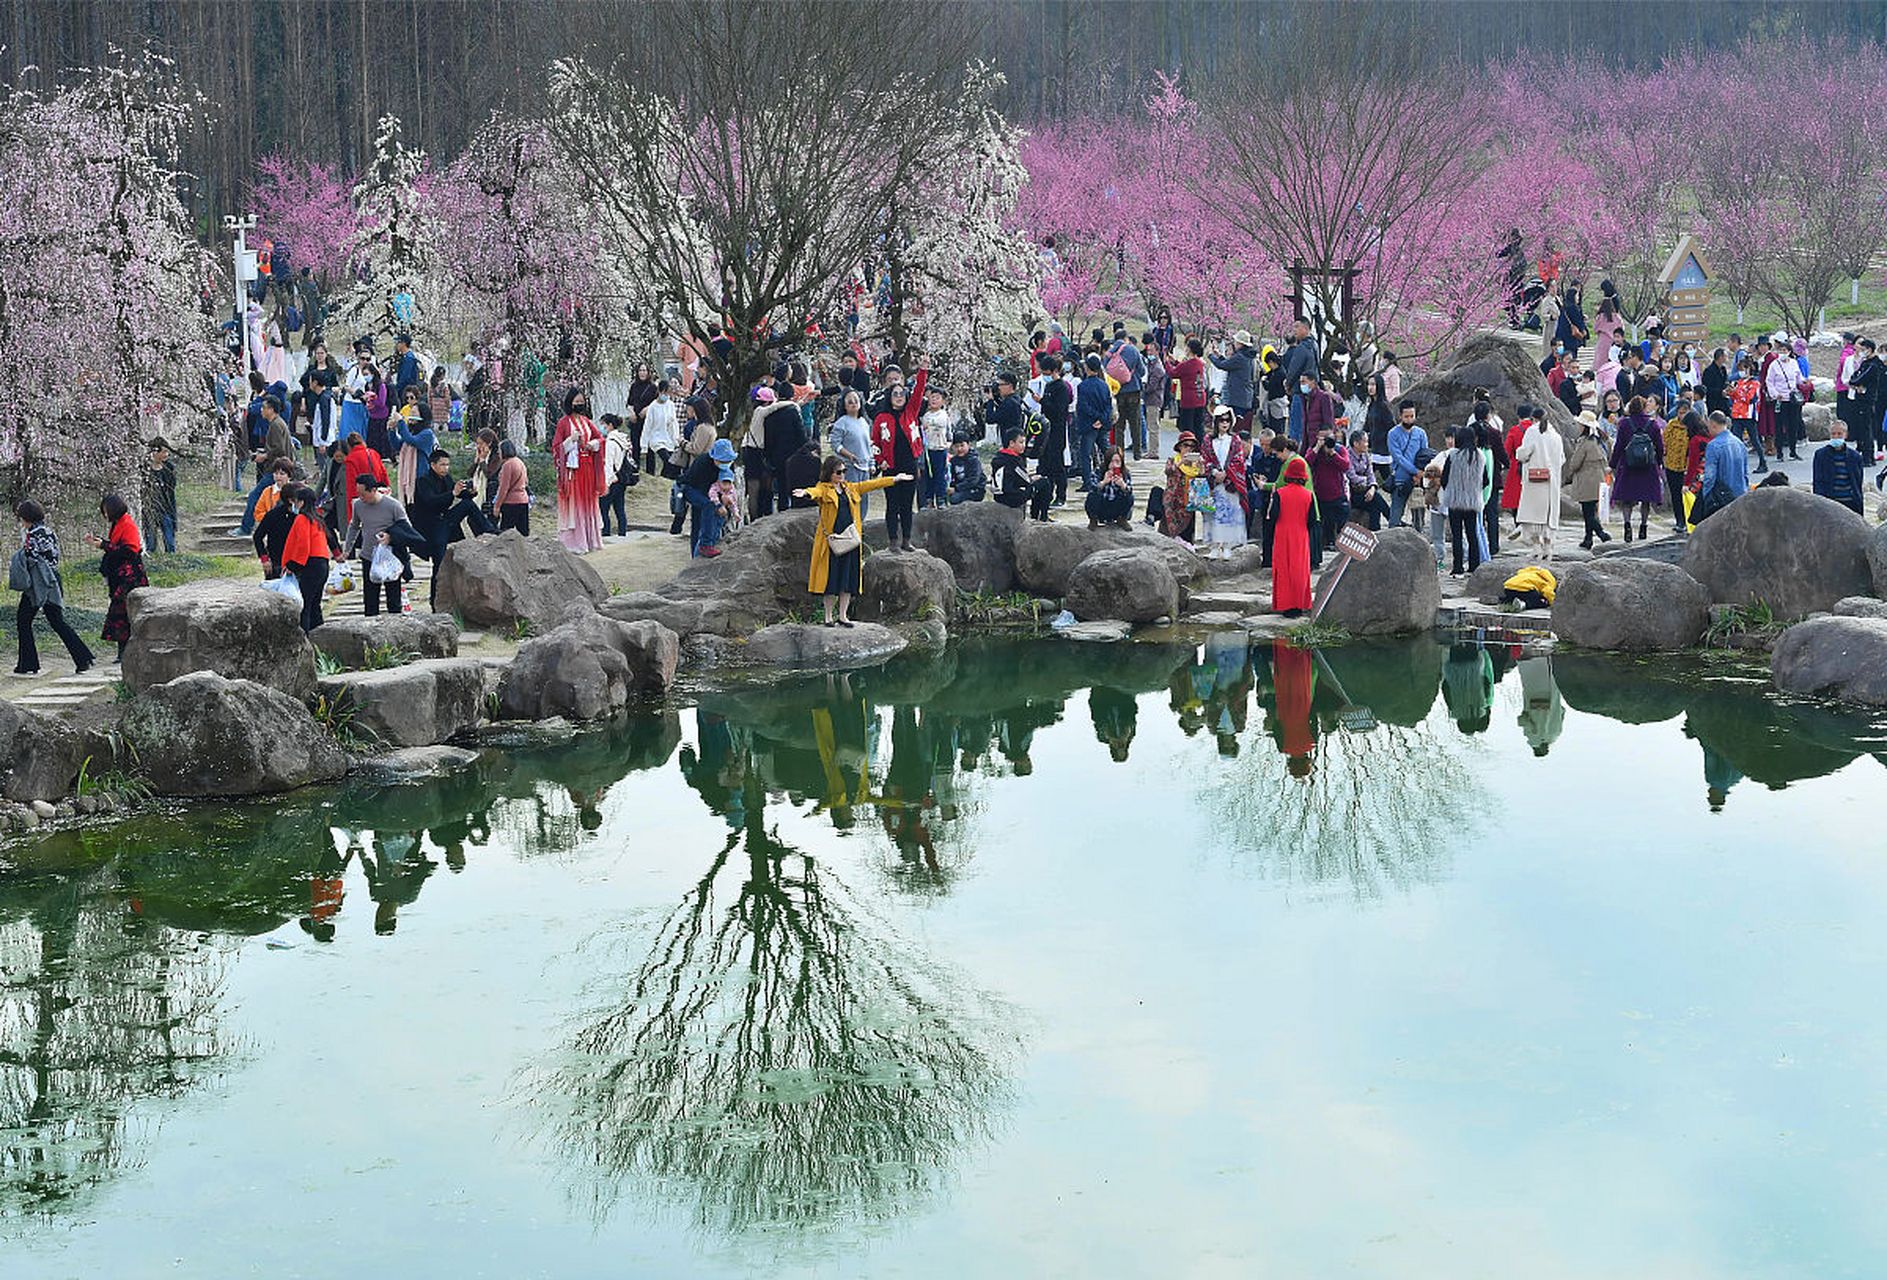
point(577, 450)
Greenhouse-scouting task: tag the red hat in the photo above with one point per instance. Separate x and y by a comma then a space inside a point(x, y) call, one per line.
point(1297, 469)
point(1186, 437)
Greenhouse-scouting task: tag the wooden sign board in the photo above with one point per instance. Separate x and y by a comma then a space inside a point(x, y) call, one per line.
point(1690, 298)
point(1354, 542)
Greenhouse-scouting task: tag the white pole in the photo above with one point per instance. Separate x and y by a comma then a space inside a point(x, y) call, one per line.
point(242, 303)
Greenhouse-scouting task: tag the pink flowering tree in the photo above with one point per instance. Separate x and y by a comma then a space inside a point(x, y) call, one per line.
point(1370, 178)
point(105, 330)
point(1078, 213)
point(309, 207)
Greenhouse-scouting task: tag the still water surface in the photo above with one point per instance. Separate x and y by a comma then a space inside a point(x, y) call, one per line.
point(1038, 959)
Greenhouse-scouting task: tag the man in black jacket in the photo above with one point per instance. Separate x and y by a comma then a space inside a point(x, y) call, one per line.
point(784, 434)
point(1005, 411)
point(441, 508)
point(1863, 402)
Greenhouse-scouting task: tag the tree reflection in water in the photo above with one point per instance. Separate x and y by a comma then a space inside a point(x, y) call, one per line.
point(1365, 790)
point(779, 1058)
point(100, 1008)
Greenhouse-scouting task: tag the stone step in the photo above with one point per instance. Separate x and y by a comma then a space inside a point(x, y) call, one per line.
point(50, 702)
point(87, 683)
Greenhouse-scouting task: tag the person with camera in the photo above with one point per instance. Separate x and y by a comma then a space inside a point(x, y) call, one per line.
point(1330, 482)
point(442, 507)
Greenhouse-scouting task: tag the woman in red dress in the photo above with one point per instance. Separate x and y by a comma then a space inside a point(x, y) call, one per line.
point(577, 451)
point(1293, 509)
point(1295, 684)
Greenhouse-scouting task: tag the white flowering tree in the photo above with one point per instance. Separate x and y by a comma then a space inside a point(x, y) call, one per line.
point(751, 186)
point(105, 332)
point(398, 285)
point(962, 282)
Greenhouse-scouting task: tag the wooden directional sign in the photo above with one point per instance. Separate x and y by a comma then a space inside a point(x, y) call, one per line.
point(1354, 542)
point(1686, 280)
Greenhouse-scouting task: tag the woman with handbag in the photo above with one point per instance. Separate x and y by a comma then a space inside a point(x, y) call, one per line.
point(1540, 458)
point(34, 573)
point(836, 556)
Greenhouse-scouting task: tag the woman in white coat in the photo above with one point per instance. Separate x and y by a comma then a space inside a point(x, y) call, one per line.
point(1540, 457)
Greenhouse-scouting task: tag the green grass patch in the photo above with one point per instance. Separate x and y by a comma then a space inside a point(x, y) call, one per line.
point(1317, 635)
point(1736, 625)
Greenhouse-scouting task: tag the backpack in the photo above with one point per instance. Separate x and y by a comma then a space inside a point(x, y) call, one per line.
point(1641, 453)
point(1034, 426)
point(294, 319)
point(1117, 370)
point(627, 474)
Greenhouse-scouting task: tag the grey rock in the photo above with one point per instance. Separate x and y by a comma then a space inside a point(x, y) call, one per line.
point(1269, 626)
point(1786, 547)
point(1244, 560)
point(1844, 658)
point(501, 579)
point(588, 667)
point(412, 763)
point(1214, 618)
point(205, 735)
point(415, 705)
point(1233, 601)
point(800, 645)
point(1816, 416)
point(423, 635)
point(1629, 603)
point(1669, 550)
point(1106, 631)
point(39, 756)
point(1860, 607)
point(235, 630)
point(522, 733)
point(1047, 553)
point(1129, 584)
point(903, 586)
point(45, 810)
point(27, 819)
point(1876, 559)
point(976, 539)
point(1509, 371)
point(1394, 592)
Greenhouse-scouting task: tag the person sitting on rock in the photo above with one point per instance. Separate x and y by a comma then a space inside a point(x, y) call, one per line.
point(967, 482)
point(442, 507)
point(1111, 501)
point(1009, 476)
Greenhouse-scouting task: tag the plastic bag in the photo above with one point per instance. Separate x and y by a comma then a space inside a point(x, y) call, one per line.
point(287, 586)
point(1062, 621)
point(386, 566)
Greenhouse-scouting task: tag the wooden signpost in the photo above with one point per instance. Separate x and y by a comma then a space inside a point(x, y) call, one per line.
point(1686, 281)
point(1354, 542)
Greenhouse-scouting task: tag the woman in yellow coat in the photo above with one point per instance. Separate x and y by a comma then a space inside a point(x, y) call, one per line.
point(835, 574)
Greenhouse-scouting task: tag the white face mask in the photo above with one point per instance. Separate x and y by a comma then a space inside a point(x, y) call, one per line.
point(1839, 444)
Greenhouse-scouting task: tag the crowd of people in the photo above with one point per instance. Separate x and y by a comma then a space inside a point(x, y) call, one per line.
point(1276, 444)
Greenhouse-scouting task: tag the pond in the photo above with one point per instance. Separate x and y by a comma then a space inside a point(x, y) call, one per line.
point(1033, 959)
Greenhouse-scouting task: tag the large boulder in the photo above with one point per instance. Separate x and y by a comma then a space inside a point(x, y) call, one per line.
point(977, 540)
point(1131, 584)
point(1877, 559)
point(905, 586)
point(1508, 371)
point(415, 705)
point(1394, 592)
point(39, 756)
point(587, 667)
point(502, 579)
point(1621, 602)
point(792, 644)
point(1796, 552)
point(236, 630)
point(1047, 553)
point(416, 635)
point(1816, 417)
point(1843, 658)
point(204, 735)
